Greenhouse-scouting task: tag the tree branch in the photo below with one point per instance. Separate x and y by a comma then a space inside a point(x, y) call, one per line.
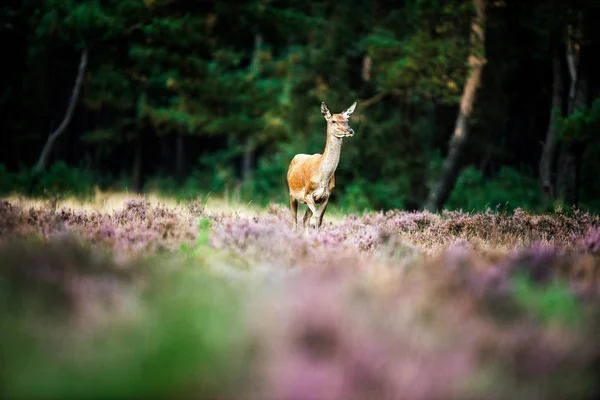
point(42, 161)
point(377, 98)
point(573, 63)
point(572, 60)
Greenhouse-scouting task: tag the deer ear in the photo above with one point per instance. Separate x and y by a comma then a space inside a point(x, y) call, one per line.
point(350, 110)
point(325, 111)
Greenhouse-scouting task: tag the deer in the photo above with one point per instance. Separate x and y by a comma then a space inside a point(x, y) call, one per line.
point(311, 178)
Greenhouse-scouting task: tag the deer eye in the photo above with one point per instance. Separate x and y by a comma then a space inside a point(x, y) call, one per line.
point(333, 122)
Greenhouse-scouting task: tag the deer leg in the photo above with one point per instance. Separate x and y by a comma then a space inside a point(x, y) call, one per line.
point(310, 202)
point(294, 208)
point(306, 218)
point(322, 212)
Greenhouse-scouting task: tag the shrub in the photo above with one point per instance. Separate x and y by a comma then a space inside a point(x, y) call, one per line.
point(58, 180)
point(508, 189)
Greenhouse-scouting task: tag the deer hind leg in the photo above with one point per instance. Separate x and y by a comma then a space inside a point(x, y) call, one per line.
point(307, 215)
point(322, 212)
point(310, 202)
point(294, 209)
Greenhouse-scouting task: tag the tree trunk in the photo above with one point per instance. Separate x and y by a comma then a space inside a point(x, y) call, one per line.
point(567, 176)
point(567, 181)
point(548, 192)
point(43, 160)
point(367, 66)
point(568, 162)
point(439, 194)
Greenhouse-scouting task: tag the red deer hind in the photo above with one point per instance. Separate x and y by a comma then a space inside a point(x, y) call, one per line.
point(311, 178)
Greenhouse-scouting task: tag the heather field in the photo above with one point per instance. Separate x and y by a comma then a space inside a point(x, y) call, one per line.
point(147, 298)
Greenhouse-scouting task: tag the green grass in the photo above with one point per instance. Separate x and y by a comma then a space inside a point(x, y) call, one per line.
point(178, 331)
point(549, 304)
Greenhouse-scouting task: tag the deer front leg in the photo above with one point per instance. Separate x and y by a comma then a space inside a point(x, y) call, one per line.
point(310, 202)
point(294, 208)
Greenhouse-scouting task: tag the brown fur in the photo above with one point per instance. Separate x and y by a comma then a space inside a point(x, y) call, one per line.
point(300, 174)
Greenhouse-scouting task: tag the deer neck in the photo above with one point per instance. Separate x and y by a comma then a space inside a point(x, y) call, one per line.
point(330, 159)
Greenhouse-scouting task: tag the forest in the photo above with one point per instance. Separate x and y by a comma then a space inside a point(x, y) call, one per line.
point(461, 105)
point(147, 249)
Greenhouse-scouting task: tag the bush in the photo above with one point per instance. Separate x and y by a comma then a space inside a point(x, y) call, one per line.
point(509, 189)
point(57, 181)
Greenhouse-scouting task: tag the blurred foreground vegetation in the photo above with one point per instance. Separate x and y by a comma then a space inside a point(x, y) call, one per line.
point(149, 300)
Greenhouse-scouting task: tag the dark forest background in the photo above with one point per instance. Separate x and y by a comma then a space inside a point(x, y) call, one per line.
point(461, 104)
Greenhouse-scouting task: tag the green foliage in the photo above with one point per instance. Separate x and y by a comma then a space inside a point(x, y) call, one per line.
point(355, 197)
point(509, 189)
point(268, 183)
point(7, 180)
point(422, 51)
point(581, 125)
point(182, 330)
point(589, 176)
point(249, 78)
point(203, 232)
point(57, 181)
point(549, 304)
point(362, 195)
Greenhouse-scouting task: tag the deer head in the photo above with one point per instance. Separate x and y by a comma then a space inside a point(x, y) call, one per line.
point(337, 124)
